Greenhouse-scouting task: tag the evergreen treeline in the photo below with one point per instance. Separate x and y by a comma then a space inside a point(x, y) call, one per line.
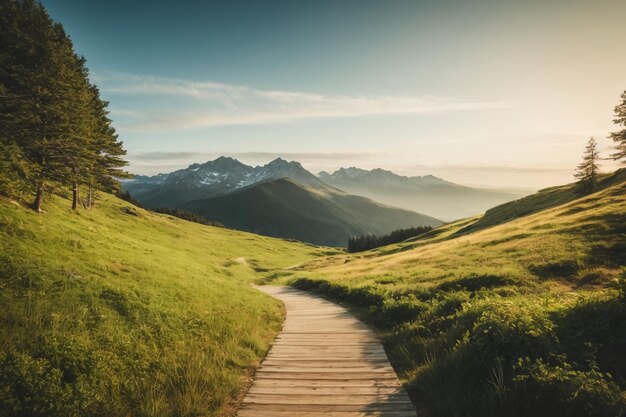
point(189, 216)
point(367, 242)
point(126, 196)
point(54, 127)
point(588, 170)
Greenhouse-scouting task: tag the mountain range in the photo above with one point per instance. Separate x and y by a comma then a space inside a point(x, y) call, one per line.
point(426, 194)
point(280, 199)
point(221, 176)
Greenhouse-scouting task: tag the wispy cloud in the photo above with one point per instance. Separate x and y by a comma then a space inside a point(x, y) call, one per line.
point(495, 169)
point(165, 156)
point(299, 156)
point(307, 156)
point(177, 103)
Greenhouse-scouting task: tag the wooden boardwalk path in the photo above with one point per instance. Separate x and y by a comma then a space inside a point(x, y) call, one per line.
point(324, 362)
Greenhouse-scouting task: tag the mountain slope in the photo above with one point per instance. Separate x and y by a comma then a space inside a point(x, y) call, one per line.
point(283, 208)
point(427, 194)
point(117, 311)
point(213, 178)
point(522, 317)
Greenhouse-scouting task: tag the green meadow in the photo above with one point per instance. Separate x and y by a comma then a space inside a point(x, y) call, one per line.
point(521, 311)
point(117, 311)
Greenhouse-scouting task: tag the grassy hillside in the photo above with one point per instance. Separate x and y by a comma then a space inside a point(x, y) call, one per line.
point(544, 199)
point(527, 317)
point(121, 312)
point(283, 208)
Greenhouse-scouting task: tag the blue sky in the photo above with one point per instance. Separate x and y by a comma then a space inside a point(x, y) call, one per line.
point(490, 93)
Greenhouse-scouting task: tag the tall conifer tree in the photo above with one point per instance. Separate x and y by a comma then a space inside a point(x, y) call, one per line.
point(619, 137)
point(106, 167)
point(587, 170)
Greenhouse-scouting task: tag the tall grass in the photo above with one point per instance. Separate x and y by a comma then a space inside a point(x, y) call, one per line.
point(121, 312)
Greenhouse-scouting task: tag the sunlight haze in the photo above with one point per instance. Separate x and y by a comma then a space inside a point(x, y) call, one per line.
point(484, 93)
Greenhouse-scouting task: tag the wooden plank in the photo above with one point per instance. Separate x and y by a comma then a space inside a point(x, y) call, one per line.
point(312, 348)
point(386, 413)
point(329, 383)
point(365, 368)
point(295, 357)
point(337, 399)
point(326, 375)
point(323, 408)
point(256, 389)
point(312, 361)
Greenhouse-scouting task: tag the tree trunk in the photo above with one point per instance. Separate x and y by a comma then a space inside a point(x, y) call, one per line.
point(88, 200)
point(38, 197)
point(75, 196)
point(40, 190)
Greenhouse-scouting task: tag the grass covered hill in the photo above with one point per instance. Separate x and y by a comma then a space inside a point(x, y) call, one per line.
point(287, 209)
point(117, 311)
point(542, 200)
point(521, 316)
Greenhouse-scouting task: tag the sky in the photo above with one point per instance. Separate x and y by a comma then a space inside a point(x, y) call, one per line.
point(499, 94)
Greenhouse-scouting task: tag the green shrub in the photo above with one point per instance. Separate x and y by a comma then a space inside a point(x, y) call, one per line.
point(32, 387)
point(546, 390)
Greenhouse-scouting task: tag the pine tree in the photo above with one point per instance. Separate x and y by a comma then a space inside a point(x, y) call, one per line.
point(587, 170)
point(37, 92)
point(619, 137)
point(104, 170)
point(75, 140)
point(50, 114)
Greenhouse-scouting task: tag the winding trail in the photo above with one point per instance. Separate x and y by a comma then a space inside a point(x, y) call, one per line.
point(324, 362)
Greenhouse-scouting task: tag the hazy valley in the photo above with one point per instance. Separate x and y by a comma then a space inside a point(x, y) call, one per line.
point(350, 202)
point(426, 194)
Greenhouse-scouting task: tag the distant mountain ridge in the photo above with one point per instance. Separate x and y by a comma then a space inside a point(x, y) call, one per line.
point(426, 194)
point(221, 176)
point(379, 174)
point(280, 199)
